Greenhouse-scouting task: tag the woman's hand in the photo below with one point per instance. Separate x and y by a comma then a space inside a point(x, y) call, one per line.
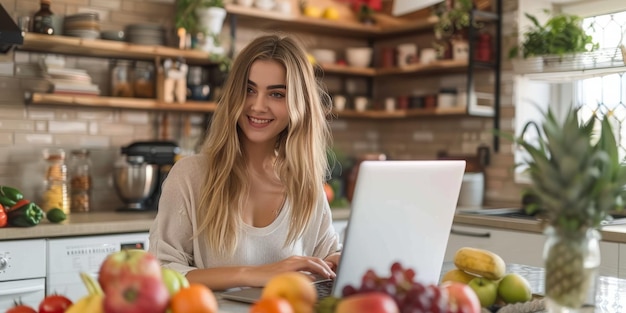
point(262, 274)
point(333, 260)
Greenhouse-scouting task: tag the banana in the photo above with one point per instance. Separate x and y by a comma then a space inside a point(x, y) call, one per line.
point(87, 304)
point(480, 262)
point(93, 287)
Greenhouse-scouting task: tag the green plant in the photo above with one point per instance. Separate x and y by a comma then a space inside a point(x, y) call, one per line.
point(561, 34)
point(452, 18)
point(576, 175)
point(186, 13)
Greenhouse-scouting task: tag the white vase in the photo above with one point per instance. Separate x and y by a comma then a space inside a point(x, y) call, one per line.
point(211, 21)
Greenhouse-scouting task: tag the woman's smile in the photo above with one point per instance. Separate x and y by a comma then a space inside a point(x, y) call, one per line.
point(259, 122)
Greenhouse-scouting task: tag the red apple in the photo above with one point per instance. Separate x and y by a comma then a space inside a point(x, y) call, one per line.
point(461, 298)
point(136, 295)
point(128, 263)
point(371, 302)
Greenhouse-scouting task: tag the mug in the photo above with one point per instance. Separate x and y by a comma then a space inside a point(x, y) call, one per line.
point(360, 104)
point(339, 102)
point(390, 104)
point(428, 55)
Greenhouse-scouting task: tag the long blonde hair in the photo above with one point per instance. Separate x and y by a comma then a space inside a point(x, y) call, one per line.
point(301, 148)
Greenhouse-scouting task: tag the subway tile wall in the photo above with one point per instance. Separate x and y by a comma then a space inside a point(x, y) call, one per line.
point(25, 130)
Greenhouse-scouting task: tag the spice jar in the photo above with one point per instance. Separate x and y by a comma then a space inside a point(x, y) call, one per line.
point(121, 79)
point(144, 80)
point(80, 181)
point(55, 190)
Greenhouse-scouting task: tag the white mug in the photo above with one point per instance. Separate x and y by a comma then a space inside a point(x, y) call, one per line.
point(390, 104)
point(360, 104)
point(428, 55)
point(339, 102)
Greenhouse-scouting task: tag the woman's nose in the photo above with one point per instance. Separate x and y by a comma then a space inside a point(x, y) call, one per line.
point(258, 103)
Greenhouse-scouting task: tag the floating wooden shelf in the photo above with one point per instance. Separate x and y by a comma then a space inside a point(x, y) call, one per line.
point(348, 70)
point(279, 21)
point(446, 66)
point(377, 114)
point(118, 103)
point(107, 48)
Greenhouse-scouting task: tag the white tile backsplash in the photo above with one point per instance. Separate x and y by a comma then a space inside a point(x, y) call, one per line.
point(64, 127)
point(34, 139)
point(6, 139)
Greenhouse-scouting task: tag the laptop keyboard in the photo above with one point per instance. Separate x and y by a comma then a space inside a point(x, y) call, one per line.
point(324, 288)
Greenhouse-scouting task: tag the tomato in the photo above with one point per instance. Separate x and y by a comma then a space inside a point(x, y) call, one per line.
point(196, 298)
point(271, 305)
point(3, 217)
point(20, 308)
point(54, 304)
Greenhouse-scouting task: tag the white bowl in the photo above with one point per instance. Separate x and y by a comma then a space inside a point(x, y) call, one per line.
point(359, 57)
point(324, 56)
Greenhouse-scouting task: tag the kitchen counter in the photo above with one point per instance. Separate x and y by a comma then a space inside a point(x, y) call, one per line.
point(97, 223)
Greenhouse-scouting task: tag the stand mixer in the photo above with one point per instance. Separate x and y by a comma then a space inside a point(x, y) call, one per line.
point(138, 177)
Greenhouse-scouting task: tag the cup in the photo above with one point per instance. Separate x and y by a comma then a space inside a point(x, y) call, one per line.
point(339, 103)
point(428, 55)
point(390, 104)
point(23, 22)
point(360, 104)
point(406, 53)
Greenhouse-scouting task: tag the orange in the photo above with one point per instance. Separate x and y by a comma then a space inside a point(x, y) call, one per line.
point(196, 298)
point(330, 193)
point(271, 305)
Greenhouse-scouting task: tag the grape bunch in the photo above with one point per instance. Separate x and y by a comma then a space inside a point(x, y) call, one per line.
point(410, 295)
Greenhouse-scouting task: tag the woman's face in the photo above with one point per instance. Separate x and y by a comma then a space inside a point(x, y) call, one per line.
point(265, 113)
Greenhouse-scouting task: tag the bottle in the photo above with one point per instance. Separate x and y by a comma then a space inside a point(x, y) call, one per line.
point(55, 190)
point(80, 181)
point(42, 21)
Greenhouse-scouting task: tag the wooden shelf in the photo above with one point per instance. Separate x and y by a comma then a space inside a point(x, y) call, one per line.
point(107, 48)
point(118, 103)
point(439, 66)
point(348, 70)
point(386, 26)
point(376, 114)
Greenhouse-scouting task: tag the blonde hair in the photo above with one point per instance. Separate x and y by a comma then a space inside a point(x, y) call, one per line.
point(301, 160)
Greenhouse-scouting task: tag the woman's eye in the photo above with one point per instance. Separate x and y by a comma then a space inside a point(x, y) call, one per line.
point(249, 90)
point(277, 95)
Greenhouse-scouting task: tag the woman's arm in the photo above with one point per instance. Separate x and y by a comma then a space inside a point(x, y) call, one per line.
point(222, 278)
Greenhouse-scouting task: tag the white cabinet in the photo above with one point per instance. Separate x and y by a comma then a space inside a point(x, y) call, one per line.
point(512, 246)
point(621, 272)
point(523, 247)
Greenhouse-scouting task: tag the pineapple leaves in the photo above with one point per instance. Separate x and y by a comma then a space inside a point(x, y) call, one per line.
point(576, 179)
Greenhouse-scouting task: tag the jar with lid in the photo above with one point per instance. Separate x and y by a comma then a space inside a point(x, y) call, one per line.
point(144, 80)
point(42, 20)
point(80, 181)
point(121, 79)
point(55, 188)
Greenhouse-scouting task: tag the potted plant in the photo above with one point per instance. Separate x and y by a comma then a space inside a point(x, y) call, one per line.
point(204, 17)
point(557, 40)
point(453, 18)
point(577, 179)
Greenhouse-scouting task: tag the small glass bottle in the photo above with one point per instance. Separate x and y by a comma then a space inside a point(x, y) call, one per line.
point(55, 190)
point(121, 79)
point(42, 20)
point(80, 181)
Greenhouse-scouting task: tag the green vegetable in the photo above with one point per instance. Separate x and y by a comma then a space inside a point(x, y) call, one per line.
point(26, 215)
point(9, 196)
point(56, 215)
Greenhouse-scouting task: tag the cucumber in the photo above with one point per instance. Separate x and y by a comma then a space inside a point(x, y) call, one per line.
point(11, 193)
point(56, 215)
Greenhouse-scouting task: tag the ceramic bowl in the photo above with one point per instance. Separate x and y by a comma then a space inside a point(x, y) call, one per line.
point(324, 56)
point(359, 57)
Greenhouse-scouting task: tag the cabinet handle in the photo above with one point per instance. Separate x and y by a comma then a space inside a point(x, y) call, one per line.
point(470, 234)
point(17, 291)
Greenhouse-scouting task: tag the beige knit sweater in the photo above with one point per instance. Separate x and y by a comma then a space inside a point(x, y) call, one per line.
point(171, 233)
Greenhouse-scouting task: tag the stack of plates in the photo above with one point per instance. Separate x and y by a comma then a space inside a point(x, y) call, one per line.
point(145, 34)
point(83, 25)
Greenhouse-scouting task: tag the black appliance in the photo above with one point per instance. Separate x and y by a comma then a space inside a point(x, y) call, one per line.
point(10, 33)
point(162, 154)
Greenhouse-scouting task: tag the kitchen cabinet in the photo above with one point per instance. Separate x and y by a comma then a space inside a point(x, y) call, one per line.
point(621, 272)
point(389, 27)
point(22, 272)
point(112, 50)
point(523, 247)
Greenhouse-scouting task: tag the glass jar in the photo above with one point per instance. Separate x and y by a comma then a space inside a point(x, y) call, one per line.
point(121, 79)
point(55, 188)
point(144, 80)
point(80, 181)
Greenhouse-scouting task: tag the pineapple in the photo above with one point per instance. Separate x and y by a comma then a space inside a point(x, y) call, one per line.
point(577, 180)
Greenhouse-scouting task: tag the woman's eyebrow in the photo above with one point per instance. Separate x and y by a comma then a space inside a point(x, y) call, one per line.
point(268, 87)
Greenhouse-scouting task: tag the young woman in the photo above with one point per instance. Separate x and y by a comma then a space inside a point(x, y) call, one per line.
point(251, 204)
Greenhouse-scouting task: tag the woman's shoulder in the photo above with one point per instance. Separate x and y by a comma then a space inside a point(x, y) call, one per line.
point(196, 163)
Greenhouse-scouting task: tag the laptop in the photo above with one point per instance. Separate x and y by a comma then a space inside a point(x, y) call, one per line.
point(402, 211)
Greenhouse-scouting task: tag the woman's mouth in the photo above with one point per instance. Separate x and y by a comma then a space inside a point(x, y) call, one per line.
point(255, 120)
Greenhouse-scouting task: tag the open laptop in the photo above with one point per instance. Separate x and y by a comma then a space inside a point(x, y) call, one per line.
point(402, 211)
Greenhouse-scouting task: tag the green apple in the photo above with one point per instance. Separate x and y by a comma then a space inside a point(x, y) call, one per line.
point(485, 289)
point(514, 288)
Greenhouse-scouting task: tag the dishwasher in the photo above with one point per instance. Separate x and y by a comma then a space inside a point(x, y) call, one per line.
point(67, 257)
point(22, 272)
